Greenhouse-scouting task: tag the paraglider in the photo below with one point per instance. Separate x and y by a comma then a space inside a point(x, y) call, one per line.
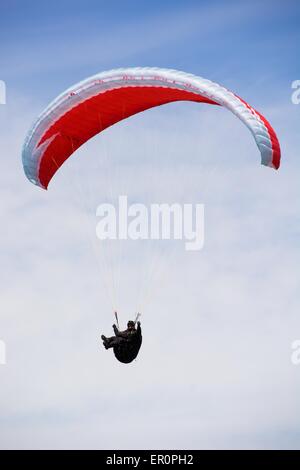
point(89, 107)
point(126, 344)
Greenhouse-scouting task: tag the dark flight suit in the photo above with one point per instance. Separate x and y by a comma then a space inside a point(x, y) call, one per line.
point(126, 344)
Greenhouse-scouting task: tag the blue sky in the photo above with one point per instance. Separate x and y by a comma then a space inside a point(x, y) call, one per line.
point(240, 42)
point(224, 380)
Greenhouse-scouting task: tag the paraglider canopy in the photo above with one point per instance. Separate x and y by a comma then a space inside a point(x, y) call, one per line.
point(91, 106)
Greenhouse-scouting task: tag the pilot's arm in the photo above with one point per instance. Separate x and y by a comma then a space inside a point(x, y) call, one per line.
point(116, 331)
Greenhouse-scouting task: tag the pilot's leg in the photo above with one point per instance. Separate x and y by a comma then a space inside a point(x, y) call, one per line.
point(111, 342)
point(107, 341)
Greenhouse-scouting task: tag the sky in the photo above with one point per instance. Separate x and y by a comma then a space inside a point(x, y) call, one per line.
point(215, 369)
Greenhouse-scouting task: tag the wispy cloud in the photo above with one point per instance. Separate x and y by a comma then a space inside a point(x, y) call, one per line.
point(214, 370)
point(77, 43)
point(221, 377)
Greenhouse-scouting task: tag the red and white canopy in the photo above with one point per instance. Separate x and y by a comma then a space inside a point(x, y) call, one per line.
point(91, 106)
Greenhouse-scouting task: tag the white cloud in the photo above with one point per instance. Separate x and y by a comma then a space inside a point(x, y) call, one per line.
point(214, 370)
